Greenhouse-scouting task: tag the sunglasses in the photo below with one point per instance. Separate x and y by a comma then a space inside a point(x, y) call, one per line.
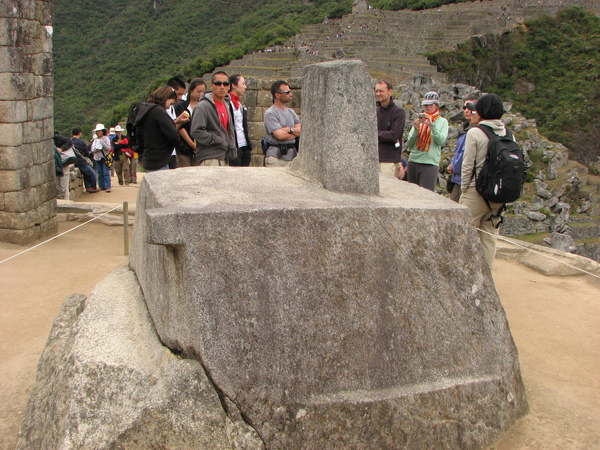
point(284, 92)
point(470, 106)
point(220, 83)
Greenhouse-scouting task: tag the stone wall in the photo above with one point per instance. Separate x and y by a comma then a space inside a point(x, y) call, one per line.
point(27, 178)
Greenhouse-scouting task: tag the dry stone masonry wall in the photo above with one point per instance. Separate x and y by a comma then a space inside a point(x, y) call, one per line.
point(27, 179)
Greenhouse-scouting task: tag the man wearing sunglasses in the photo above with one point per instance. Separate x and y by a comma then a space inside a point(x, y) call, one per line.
point(282, 127)
point(213, 125)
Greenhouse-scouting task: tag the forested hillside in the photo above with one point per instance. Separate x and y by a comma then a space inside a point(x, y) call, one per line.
point(110, 52)
point(549, 68)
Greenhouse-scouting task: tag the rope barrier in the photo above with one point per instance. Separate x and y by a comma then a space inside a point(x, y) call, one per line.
point(61, 234)
point(502, 238)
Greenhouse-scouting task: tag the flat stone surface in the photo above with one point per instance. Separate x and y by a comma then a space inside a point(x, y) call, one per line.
point(321, 313)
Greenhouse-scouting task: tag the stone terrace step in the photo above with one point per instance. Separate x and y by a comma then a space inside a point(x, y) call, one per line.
point(392, 42)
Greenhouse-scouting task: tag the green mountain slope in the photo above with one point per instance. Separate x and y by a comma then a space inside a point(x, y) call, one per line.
point(108, 53)
point(549, 68)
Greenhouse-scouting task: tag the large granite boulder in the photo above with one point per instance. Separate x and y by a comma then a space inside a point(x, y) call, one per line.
point(106, 381)
point(336, 308)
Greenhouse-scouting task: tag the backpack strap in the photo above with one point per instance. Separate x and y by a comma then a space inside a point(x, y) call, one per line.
point(487, 130)
point(496, 217)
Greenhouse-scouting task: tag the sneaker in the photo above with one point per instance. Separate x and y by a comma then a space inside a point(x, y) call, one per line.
point(92, 190)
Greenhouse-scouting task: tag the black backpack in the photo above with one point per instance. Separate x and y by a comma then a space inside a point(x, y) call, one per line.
point(503, 173)
point(135, 117)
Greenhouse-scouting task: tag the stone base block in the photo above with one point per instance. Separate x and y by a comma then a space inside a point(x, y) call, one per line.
point(369, 318)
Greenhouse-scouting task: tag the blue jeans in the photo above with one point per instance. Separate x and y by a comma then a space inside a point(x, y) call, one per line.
point(103, 174)
point(89, 176)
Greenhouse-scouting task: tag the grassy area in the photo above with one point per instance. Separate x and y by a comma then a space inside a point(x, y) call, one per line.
point(534, 238)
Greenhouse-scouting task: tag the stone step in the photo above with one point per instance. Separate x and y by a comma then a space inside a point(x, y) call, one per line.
point(249, 71)
point(263, 62)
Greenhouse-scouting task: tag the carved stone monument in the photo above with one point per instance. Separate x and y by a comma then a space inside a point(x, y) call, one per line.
point(330, 317)
point(325, 318)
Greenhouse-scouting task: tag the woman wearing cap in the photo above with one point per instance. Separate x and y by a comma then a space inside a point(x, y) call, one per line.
point(426, 137)
point(100, 149)
point(489, 108)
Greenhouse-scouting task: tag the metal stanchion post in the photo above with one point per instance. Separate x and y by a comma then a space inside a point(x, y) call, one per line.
point(126, 227)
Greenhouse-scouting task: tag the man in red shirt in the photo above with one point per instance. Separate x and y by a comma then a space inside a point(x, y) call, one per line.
point(213, 126)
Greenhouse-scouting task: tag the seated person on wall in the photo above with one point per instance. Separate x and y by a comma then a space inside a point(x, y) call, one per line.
point(82, 152)
point(425, 140)
point(69, 156)
point(282, 127)
point(390, 127)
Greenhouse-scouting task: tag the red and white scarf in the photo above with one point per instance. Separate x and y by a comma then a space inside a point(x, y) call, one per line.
point(424, 140)
point(235, 100)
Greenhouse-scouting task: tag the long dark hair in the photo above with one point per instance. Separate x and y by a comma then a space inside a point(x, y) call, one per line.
point(194, 84)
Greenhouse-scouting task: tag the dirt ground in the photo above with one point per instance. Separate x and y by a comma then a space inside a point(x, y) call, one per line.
point(555, 322)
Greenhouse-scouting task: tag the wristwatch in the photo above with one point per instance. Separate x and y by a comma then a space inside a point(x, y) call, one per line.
point(291, 130)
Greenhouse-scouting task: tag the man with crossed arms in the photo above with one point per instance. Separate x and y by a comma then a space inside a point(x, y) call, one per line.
point(282, 127)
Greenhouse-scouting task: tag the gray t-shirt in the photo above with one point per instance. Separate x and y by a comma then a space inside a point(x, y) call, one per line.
point(275, 119)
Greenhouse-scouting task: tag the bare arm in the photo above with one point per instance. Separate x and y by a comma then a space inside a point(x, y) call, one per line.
point(284, 134)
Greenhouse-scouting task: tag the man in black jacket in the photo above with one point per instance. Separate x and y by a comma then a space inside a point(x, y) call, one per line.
point(390, 127)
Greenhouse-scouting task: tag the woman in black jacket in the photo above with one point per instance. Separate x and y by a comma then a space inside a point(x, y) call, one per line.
point(159, 132)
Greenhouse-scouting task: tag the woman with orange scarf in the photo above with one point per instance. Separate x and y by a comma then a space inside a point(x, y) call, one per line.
point(425, 140)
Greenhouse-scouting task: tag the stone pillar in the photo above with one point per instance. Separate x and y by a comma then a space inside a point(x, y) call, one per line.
point(27, 176)
point(338, 147)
